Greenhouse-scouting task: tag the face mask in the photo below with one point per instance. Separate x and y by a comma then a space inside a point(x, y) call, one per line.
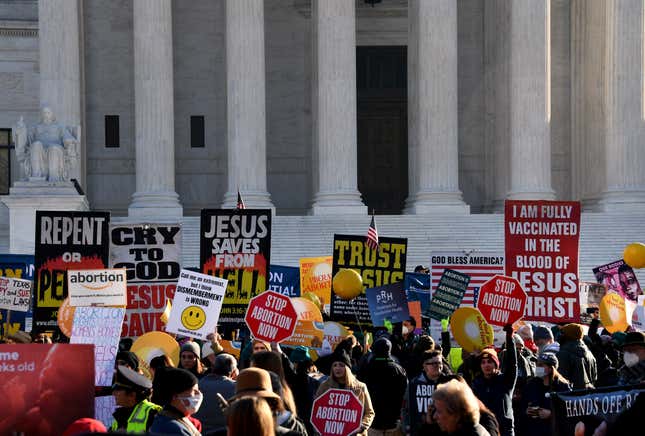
point(192, 403)
point(540, 371)
point(404, 330)
point(630, 359)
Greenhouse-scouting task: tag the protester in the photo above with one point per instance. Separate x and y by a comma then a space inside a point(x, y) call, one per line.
point(41, 338)
point(18, 337)
point(347, 345)
point(494, 388)
point(543, 338)
point(341, 377)
point(127, 358)
point(220, 381)
point(272, 362)
point(180, 398)
point(633, 372)
point(577, 364)
point(189, 359)
point(208, 355)
point(250, 416)
point(131, 392)
point(456, 410)
point(306, 383)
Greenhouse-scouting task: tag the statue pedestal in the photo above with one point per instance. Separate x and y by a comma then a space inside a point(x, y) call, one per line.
point(25, 198)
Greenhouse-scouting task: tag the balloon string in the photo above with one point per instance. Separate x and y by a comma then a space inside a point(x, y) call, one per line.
point(358, 321)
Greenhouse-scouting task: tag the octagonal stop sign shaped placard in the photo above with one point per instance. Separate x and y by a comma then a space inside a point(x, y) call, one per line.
point(337, 412)
point(502, 300)
point(271, 317)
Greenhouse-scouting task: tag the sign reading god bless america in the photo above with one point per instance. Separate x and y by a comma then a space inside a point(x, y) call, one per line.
point(97, 287)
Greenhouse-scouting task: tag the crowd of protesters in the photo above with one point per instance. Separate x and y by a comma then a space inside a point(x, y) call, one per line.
point(270, 389)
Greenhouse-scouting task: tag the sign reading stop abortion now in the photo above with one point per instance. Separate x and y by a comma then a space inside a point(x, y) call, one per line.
point(271, 317)
point(541, 244)
point(502, 300)
point(337, 412)
point(97, 287)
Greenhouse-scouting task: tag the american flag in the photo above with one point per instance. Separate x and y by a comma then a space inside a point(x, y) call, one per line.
point(479, 266)
point(372, 236)
point(240, 202)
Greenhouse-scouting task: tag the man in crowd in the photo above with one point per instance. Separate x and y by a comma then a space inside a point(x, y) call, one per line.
point(577, 363)
point(633, 372)
point(220, 381)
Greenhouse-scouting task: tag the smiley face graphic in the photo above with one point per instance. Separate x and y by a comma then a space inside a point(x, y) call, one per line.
point(193, 317)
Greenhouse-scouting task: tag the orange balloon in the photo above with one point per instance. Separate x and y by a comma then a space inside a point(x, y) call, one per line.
point(634, 255)
point(612, 313)
point(347, 284)
point(66, 317)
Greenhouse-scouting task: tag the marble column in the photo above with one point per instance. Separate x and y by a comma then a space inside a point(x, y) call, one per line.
point(60, 48)
point(432, 103)
point(624, 162)
point(334, 97)
point(246, 107)
point(155, 194)
point(530, 92)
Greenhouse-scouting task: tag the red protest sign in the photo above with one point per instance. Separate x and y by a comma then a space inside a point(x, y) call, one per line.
point(271, 317)
point(337, 412)
point(541, 243)
point(502, 300)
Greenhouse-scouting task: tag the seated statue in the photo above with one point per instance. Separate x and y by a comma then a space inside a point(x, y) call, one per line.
point(47, 150)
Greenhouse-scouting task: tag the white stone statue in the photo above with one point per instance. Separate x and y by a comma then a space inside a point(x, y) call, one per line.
point(48, 150)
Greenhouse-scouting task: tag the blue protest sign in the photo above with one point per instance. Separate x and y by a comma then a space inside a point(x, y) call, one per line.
point(284, 280)
point(387, 302)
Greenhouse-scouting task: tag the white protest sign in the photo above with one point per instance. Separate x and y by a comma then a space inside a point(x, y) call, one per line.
point(100, 326)
point(15, 294)
point(197, 304)
point(104, 408)
point(97, 287)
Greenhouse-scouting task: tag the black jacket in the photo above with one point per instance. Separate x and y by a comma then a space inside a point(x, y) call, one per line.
point(386, 382)
point(577, 364)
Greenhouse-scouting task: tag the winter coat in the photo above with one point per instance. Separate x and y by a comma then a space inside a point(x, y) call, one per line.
point(291, 426)
point(386, 382)
point(535, 395)
point(577, 364)
point(170, 422)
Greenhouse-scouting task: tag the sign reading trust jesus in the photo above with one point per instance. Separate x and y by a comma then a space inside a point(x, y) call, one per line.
point(271, 317)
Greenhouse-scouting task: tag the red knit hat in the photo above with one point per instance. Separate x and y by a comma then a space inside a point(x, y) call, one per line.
point(85, 425)
point(489, 353)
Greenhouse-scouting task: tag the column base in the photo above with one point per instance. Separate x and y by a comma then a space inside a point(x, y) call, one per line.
point(252, 200)
point(338, 203)
point(547, 194)
point(622, 200)
point(149, 205)
point(436, 203)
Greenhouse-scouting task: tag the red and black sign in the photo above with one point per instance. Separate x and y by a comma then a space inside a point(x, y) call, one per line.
point(271, 317)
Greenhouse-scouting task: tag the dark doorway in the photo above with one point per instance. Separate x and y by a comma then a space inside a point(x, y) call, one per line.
point(382, 127)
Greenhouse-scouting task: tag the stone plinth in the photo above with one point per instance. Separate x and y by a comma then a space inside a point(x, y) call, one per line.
point(25, 198)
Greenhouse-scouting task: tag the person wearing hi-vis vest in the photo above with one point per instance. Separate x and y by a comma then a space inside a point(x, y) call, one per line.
point(131, 391)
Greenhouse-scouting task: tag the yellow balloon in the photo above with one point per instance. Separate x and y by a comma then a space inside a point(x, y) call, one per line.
point(612, 313)
point(634, 255)
point(347, 284)
point(470, 329)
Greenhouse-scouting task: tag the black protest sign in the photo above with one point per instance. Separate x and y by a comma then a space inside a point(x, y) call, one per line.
point(448, 294)
point(65, 240)
point(377, 268)
point(419, 398)
point(235, 244)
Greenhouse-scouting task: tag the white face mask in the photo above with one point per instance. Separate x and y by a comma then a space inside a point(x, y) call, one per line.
point(540, 371)
point(630, 359)
point(192, 403)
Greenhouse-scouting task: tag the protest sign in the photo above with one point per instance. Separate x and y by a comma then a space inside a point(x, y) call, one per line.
point(541, 243)
point(104, 408)
point(96, 287)
point(591, 407)
point(284, 280)
point(197, 304)
point(619, 277)
point(271, 317)
point(638, 318)
point(377, 268)
point(310, 328)
point(387, 302)
point(151, 255)
point(101, 327)
point(414, 307)
point(45, 387)
point(15, 294)
point(315, 277)
point(235, 244)
point(590, 296)
point(19, 266)
point(65, 240)
point(417, 288)
point(448, 294)
point(334, 334)
point(470, 329)
point(337, 412)
point(502, 300)
point(419, 398)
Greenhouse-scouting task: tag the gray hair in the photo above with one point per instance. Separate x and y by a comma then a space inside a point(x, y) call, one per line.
point(459, 400)
point(225, 364)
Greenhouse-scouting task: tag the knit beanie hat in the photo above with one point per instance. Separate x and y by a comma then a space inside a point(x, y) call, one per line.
point(341, 356)
point(173, 381)
point(489, 353)
point(382, 347)
point(572, 332)
point(193, 347)
point(548, 359)
point(542, 333)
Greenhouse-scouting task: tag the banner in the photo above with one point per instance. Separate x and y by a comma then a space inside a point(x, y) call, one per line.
point(65, 240)
point(197, 305)
point(449, 294)
point(387, 302)
point(315, 277)
point(96, 287)
point(541, 242)
point(101, 327)
point(590, 296)
point(376, 268)
point(151, 255)
point(45, 387)
point(15, 294)
point(20, 266)
point(284, 280)
point(235, 244)
point(620, 278)
point(591, 407)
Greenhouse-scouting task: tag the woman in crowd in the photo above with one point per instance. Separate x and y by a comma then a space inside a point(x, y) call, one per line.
point(250, 415)
point(190, 359)
point(341, 377)
point(456, 410)
point(273, 362)
point(180, 398)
